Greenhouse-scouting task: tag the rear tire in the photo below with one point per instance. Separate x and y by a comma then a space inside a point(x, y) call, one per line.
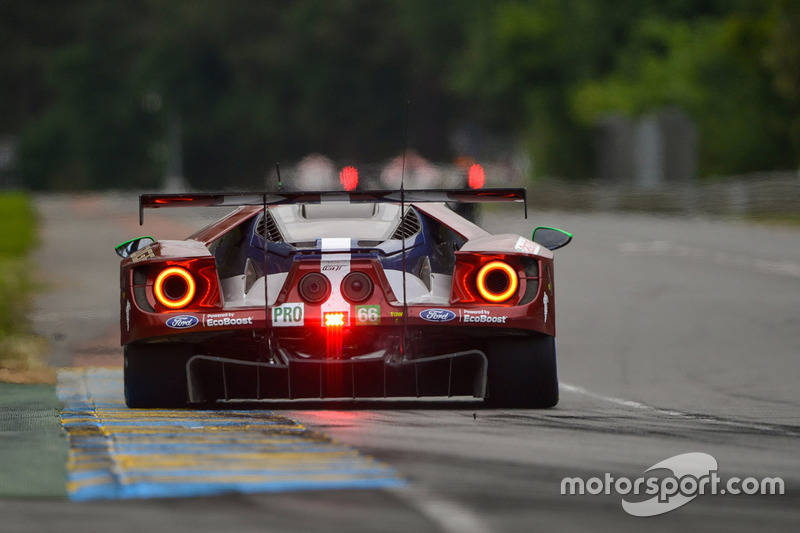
point(155, 375)
point(522, 372)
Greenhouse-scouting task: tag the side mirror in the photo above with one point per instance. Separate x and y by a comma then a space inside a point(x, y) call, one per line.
point(551, 238)
point(128, 247)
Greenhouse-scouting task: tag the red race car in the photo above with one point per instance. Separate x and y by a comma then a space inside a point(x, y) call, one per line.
point(339, 295)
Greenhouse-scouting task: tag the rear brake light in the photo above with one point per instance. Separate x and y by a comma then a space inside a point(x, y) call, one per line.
point(497, 281)
point(174, 287)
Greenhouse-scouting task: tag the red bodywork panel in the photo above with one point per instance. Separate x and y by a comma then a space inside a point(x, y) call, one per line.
point(531, 309)
point(138, 324)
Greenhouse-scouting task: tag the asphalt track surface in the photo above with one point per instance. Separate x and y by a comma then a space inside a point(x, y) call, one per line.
point(674, 336)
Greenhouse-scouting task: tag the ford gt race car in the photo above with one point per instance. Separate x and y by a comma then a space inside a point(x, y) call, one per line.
point(339, 295)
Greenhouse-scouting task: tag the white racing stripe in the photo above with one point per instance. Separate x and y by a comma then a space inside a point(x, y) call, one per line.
point(335, 267)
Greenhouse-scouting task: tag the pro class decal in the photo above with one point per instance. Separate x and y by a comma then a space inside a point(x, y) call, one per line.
point(368, 315)
point(288, 315)
point(182, 322)
point(482, 316)
point(437, 315)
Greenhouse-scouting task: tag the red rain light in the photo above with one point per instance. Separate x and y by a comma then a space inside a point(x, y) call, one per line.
point(349, 178)
point(476, 177)
point(333, 319)
point(334, 322)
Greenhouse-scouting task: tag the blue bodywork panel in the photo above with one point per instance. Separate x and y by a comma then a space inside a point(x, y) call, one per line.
point(434, 240)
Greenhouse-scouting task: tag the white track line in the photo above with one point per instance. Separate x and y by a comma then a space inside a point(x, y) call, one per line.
point(567, 387)
point(449, 516)
point(618, 401)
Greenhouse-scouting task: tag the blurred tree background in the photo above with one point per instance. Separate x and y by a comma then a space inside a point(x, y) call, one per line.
point(92, 88)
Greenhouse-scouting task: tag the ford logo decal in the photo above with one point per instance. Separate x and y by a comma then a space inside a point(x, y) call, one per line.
point(437, 315)
point(182, 322)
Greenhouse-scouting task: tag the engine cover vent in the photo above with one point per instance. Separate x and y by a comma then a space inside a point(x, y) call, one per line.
point(410, 226)
point(267, 223)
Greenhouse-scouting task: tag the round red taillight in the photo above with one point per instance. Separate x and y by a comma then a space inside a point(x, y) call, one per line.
point(356, 287)
point(314, 288)
point(174, 287)
point(497, 281)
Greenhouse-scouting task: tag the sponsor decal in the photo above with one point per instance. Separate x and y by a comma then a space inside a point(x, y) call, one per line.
point(143, 254)
point(227, 319)
point(437, 315)
point(396, 314)
point(128, 315)
point(182, 322)
point(545, 300)
point(482, 316)
point(526, 246)
point(288, 315)
point(368, 315)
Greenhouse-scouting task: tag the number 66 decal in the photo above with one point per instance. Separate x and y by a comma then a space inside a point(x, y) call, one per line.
point(368, 315)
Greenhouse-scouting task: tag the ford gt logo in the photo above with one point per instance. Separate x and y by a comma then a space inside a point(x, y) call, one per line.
point(182, 322)
point(437, 315)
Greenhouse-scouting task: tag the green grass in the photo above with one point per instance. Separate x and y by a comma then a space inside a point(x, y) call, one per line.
point(15, 287)
point(17, 238)
point(17, 225)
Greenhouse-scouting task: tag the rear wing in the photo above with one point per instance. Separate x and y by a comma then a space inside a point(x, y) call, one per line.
point(235, 199)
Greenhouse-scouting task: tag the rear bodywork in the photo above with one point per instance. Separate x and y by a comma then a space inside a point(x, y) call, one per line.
point(326, 296)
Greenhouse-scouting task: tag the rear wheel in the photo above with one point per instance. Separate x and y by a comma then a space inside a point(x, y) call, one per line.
point(155, 375)
point(522, 372)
